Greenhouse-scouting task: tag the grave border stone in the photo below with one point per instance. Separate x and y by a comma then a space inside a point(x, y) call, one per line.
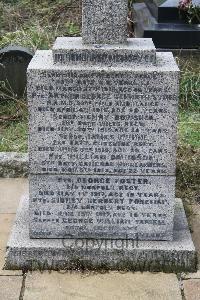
point(175, 256)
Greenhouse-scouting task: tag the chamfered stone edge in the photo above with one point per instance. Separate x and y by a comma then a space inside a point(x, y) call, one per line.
point(168, 256)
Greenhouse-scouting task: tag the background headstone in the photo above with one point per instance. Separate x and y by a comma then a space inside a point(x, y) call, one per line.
point(162, 21)
point(14, 61)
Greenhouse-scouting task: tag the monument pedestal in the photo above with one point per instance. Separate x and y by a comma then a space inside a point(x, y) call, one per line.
point(63, 254)
point(102, 151)
point(102, 143)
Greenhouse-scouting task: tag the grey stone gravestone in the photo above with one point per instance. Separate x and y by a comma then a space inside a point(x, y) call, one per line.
point(14, 61)
point(102, 149)
point(104, 21)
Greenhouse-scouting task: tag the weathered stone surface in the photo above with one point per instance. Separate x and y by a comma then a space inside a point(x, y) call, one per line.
point(102, 120)
point(169, 256)
point(6, 222)
point(11, 191)
point(191, 289)
point(10, 287)
point(194, 222)
point(89, 206)
point(104, 21)
point(112, 285)
point(72, 51)
point(13, 164)
point(195, 275)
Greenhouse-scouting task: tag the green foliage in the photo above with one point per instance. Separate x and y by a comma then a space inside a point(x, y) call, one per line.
point(188, 157)
point(130, 3)
point(188, 173)
point(189, 129)
point(36, 24)
point(190, 90)
point(189, 83)
point(194, 14)
point(36, 37)
point(14, 137)
point(189, 12)
point(13, 124)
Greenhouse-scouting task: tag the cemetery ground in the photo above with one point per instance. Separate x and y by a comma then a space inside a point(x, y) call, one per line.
point(35, 24)
point(85, 284)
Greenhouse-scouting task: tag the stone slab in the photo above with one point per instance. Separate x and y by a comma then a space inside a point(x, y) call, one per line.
point(11, 191)
point(191, 289)
point(194, 222)
point(196, 275)
point(25, 253)
point(67, 50)
point(104, 21)
point(6, 222)
point(96, 206)
point(166, 11)
point(112, 285)
point(10, 287)
point(102, 120)
point(10, 195)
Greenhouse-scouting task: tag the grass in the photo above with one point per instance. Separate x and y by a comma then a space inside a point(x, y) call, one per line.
point(188, 157)
point(36, 24)
point(189, 83)
point(189, 129)
point(13, 125)
point(14, 137)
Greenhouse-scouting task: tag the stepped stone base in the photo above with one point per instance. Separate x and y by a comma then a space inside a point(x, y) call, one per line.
point(67, 50)
point(57, 254)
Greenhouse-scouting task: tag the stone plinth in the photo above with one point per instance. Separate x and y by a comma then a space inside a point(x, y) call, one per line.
point(94, 132)
point(89, 206)
point(104, 21)
point(135, 52)
point(30, 254)
point(108, 120)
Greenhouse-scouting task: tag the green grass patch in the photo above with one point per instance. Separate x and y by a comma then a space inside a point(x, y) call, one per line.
point(188, 157)
point(189, 129)
point(13, 137)
point(13, 125)
point(36, 24)
point(189, 82)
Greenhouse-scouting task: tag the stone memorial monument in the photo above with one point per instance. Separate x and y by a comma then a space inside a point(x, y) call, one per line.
point(102, 151)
